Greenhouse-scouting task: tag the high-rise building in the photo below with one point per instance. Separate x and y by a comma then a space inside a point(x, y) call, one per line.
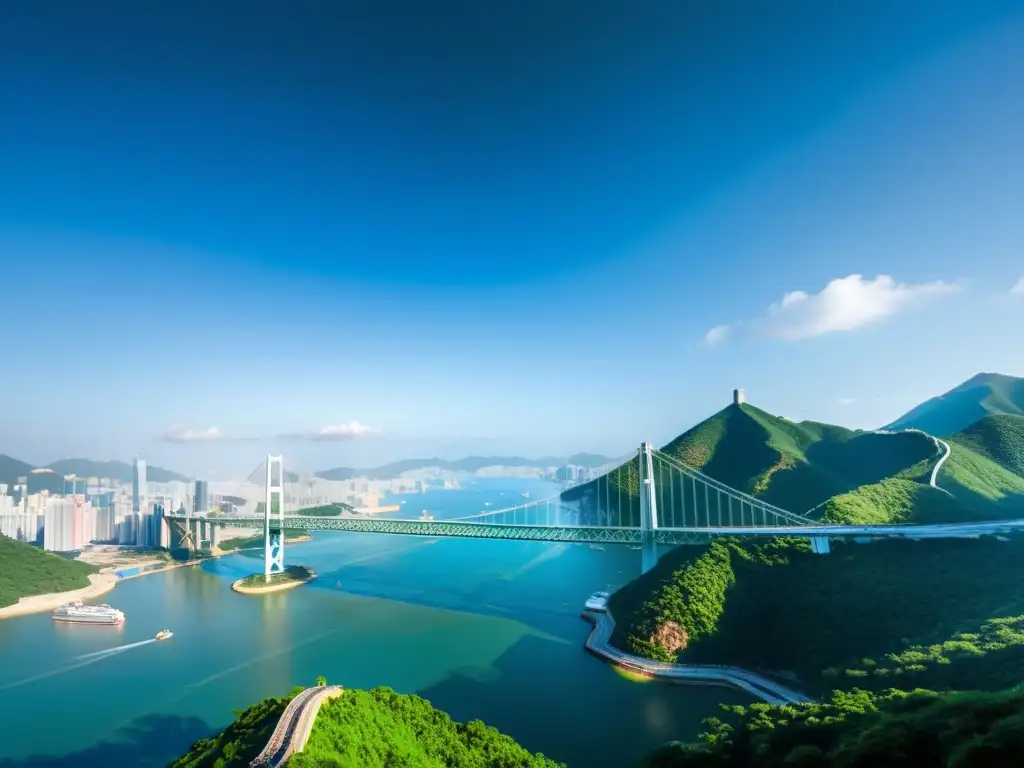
point(138, 486)
point(202, 497)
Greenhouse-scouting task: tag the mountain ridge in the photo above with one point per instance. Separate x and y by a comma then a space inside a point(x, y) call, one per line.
point(11, 469)
point(981, 395)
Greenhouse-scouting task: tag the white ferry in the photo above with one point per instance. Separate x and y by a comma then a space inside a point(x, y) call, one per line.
point(79, 613)
point(597, 602)
point(164, 634)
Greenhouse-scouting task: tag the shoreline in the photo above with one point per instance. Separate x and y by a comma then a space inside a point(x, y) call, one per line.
point(101, 583)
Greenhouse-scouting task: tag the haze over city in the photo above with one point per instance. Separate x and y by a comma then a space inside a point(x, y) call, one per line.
point(485, 230)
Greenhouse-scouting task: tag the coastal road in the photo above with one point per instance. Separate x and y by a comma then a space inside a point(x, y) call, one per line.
point(294, 726)
point(599, 643)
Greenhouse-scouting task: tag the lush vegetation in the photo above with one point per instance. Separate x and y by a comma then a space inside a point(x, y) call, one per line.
point(241, 741)
point(983, 395)
point(381, 728)
point(370, 729)
point(940, 614)
point(827, 472)
point(290, 574)
point(860, 729)
point(26, 570)
point(999, 439)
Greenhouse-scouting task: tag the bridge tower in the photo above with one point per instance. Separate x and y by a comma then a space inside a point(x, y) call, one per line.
point(273, 543)
point(648, 510)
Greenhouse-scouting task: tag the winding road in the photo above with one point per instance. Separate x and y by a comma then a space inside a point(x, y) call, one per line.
point(293, 728)
point(599, 643)
point(940, 462)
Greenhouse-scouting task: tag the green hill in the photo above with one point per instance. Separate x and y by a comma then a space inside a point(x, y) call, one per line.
point(795, 465)
point(26, 570)
point(983, 395)
point(858, 729)
point(370, 729)
point(999, 438)
point(840, 475)
point(943, 614)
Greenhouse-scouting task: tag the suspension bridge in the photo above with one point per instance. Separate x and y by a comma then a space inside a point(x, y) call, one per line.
point(650, 499)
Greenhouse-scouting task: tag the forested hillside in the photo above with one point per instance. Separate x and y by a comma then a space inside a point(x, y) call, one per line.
point(858, 729)
point(370, 729)
point(26, 570)
point(943, 614)
point(840, 475)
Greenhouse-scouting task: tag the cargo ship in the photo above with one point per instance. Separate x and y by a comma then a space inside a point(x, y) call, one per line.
point(79, 613)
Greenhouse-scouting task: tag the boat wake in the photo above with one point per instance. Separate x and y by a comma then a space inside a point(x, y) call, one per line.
point(77, 663)
point(118, 649)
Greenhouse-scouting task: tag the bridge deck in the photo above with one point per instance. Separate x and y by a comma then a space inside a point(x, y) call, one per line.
point(599, 643)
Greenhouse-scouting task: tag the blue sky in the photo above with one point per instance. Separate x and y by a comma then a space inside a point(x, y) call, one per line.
point(356, 232)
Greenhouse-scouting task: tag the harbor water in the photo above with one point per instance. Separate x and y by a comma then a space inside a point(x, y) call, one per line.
point(483, 629)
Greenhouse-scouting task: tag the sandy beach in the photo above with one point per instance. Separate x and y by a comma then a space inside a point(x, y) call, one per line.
point(99, 583)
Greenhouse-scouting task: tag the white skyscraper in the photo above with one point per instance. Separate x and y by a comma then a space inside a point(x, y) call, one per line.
point(139, 486)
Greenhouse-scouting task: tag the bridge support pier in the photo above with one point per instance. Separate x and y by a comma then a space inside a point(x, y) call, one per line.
point(820, 545)
point(273, 543)
point(648, 511)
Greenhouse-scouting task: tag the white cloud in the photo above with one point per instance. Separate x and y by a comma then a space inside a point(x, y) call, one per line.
point(194, 435)
point(845, 304)
point(845, 401)
point(353, 430)
point(717, 335)
point(1018, 289)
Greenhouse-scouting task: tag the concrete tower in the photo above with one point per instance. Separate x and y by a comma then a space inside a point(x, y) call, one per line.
point(738, 398)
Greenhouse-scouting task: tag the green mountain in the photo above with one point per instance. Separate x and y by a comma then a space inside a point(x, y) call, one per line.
point(980, 396)
point(999, 438)
point(11, 469)
point(370, 729)
point(846, 476)
point(468, 464)
point(26, 570)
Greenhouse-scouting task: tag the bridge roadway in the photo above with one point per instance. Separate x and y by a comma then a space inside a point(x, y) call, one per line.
point(599, 644)
point(609, 534)
point(293, 728)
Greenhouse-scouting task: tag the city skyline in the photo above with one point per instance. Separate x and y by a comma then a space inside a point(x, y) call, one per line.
point(468, 234)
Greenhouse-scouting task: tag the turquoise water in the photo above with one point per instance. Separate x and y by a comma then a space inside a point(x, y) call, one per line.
point(484, 629)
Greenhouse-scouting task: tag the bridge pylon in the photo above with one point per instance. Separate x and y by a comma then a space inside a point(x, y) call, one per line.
point(648, 510)
point(273, 543)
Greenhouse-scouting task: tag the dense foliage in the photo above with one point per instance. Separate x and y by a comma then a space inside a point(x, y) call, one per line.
point(241, 741)
point(367, 729)
point(859, 729)
point(998, 438)
point(381, 728)
point(26, 570)
point(826, 471)
point(854, 616)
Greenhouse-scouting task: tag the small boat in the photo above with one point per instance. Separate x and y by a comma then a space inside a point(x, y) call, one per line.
point(164, 634)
